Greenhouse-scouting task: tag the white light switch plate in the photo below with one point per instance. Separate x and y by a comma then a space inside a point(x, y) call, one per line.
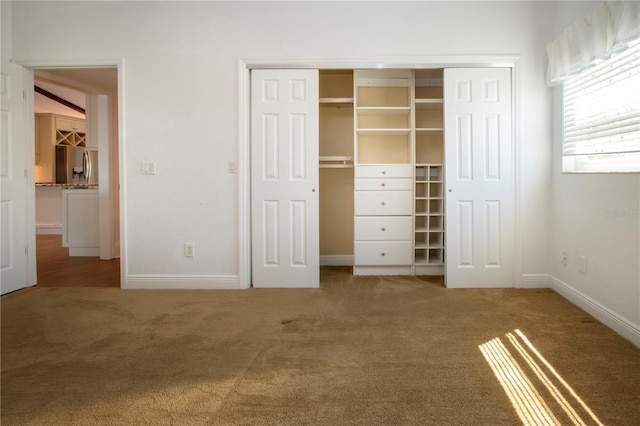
point(148, 168)
point(232, 166)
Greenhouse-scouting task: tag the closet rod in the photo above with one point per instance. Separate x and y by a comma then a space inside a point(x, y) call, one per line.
point(335, 162)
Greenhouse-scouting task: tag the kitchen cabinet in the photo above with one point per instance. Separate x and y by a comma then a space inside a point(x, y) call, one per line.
point(52, 130)
point(80, 224)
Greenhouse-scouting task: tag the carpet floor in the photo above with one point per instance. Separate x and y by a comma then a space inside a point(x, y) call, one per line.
point(357, 351)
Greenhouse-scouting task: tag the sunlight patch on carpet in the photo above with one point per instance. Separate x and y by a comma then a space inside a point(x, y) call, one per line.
point(533, 386)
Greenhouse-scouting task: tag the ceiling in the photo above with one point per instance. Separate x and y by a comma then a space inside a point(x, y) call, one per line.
point(72, 84)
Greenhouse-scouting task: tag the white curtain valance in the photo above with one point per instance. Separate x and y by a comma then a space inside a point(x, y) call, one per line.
point(610, 28)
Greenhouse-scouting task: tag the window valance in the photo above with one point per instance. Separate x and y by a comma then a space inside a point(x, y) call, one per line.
point(610, 28)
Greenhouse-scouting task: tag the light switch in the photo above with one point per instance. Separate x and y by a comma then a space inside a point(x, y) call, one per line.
point(148, 168)
point(232, 166)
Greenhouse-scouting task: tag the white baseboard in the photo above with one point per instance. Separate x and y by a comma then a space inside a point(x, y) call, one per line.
point(182, 282)
point(611, 319)
point(535, 281)
point(336, 260)
point(48, 229)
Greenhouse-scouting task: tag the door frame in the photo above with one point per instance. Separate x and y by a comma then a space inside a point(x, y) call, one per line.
point(245, 65)
point(114, 190)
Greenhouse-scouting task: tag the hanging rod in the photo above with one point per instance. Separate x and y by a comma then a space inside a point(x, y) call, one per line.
point(335, 162)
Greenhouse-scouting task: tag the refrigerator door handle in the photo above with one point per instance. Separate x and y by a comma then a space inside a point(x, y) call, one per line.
point(86, 160)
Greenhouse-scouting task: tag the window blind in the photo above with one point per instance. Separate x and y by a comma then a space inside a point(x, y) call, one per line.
point(601, 116)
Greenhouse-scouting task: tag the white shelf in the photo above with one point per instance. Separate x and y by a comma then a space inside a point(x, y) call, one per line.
point(401, 132)
point(337, 102)
point(429, 130)
point(383, 110)
point(435, 103)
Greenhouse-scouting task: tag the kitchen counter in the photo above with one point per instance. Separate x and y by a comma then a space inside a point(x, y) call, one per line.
point(64, 185)
point(80, 221)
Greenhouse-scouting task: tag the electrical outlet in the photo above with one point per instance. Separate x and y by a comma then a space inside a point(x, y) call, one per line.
point(565, 259)
point(583, 265)
point(189, 250)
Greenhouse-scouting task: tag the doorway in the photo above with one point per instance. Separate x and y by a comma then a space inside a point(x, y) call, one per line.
point(77, 221)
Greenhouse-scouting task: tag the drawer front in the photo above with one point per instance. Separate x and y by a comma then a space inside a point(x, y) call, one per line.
point(383, 253)
point(383, 185)
point(383, 203)
point(384, 228)
point(388, 171)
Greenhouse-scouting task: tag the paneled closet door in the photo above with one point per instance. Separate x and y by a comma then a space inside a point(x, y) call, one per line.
point(13, 180)
point(479, 174)
point(284, 178)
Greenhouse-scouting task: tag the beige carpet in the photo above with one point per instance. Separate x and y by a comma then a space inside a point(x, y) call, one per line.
point(367, 351)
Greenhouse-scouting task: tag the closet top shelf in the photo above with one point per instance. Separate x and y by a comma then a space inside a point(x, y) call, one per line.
point(383, 110)
point(338, 102)
point(429, 101)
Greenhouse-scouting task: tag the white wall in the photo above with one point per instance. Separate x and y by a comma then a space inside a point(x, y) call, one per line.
point(596, 216)
point(6, 47)
point(180, 100)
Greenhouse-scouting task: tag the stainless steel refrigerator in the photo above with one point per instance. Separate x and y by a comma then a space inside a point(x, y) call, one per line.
point(76, 165)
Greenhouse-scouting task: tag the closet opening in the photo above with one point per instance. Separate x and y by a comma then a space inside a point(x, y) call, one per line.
point(415, 173)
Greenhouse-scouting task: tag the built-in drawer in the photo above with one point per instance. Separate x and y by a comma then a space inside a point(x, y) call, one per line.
point(383, 203)
point(384, 171)
point(383, 184)
point(383, 228)
point(368, 253)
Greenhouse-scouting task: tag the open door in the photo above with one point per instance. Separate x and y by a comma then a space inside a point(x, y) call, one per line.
point(284, 178)
point(480, 205)
point(13, 176)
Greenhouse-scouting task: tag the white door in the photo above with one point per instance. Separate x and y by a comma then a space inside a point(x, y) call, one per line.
point(284, 178)
point(479, 176)
point(13, 177)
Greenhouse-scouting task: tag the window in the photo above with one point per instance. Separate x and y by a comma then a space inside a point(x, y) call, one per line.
point(601, 116)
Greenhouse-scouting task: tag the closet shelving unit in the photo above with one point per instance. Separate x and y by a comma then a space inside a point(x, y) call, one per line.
point(383, 155)
point(429, 217)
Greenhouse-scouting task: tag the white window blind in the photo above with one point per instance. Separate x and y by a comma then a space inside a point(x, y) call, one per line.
point(602, 116)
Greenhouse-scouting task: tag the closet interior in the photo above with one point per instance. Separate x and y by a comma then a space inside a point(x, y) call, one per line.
point(382, 171)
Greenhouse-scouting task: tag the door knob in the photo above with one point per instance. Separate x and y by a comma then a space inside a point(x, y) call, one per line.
point(383, 203)
point(313, 190)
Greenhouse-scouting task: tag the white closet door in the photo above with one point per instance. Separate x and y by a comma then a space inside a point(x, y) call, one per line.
point(284, 178)
point(479, 177)
point(13, 204)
